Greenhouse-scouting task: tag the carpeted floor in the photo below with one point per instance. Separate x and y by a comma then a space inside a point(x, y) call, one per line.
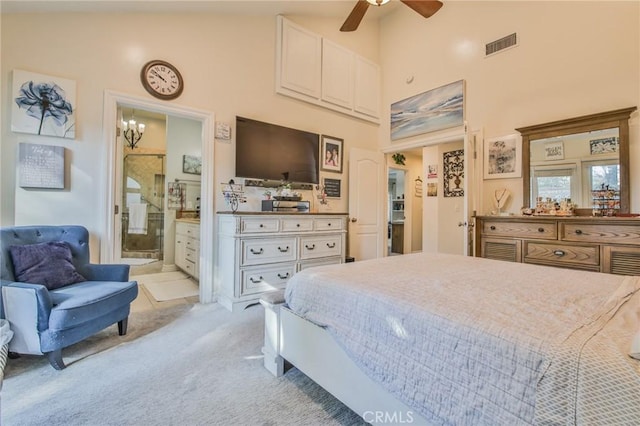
point(184, 365)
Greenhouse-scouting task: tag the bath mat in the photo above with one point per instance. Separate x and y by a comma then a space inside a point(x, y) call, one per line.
point(168, 285)
point(169, 290)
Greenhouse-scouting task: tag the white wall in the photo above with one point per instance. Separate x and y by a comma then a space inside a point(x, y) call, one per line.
point(228, 64)
point(573, 59)
point(184, 137)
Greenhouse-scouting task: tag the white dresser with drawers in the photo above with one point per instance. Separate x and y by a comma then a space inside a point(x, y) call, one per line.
point(259, 252)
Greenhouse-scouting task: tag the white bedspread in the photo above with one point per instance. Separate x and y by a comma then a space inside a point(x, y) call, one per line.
point(471, 341)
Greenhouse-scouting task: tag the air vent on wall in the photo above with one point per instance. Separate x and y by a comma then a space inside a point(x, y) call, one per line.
point(505, 42)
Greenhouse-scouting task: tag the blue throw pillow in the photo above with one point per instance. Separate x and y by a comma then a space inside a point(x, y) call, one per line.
point(48, 264)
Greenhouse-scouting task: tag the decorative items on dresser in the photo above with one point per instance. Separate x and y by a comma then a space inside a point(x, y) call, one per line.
point(259, 252)
point(187, 246)
point(610, 245)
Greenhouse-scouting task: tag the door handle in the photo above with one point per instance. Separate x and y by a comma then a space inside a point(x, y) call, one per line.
point(462, 224)
point(354, 219)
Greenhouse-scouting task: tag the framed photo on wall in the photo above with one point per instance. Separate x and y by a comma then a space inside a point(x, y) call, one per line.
point(191, 164)
point(503, 157)
point(331, 154)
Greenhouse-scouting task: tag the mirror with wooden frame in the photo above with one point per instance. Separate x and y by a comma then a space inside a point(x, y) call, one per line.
point(585, 159)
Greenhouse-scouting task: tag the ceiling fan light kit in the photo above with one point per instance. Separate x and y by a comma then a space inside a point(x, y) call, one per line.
point(426, 8)
point(377, 2)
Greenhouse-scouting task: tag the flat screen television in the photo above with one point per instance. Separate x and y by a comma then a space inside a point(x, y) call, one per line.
point(270, 152)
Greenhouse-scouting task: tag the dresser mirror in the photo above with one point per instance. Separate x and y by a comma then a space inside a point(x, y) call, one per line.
point(584, 159)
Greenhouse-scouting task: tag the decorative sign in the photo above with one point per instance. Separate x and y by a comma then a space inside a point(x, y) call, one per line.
point(332, 188)
point(40, 166)
point(554, 151)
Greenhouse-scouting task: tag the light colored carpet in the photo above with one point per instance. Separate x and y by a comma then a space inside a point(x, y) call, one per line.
point(168, 285)
point(187, 365)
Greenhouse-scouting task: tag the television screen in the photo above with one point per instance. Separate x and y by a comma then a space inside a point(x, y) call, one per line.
point(272, 152)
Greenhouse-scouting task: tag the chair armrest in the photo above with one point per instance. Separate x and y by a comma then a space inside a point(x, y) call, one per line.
point(104, 272)
point(14, 292)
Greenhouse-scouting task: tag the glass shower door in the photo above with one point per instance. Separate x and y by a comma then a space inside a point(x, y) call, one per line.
point(143, 201)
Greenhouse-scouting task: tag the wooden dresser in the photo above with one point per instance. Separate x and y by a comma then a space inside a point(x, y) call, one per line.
point(259, 252)
point(609, 244)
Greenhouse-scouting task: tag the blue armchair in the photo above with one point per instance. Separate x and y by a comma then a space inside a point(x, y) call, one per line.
point(44, 320)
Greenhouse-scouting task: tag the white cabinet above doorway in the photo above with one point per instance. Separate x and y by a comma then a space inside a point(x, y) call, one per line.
point(316, 70)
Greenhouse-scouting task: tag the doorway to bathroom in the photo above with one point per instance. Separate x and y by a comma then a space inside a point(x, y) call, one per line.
point(143, 206)
point(404, 202)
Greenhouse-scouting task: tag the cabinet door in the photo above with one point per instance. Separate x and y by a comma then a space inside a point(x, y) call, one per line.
point(337, 74)
point(621, 260)
point(300, 60)
point(181, 251)
point(367, 87)
point(501, 249)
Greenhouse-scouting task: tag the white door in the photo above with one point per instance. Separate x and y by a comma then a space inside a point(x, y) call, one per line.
point(367, 201)
point(473, 183)
point(466, 222)
point(118, 209)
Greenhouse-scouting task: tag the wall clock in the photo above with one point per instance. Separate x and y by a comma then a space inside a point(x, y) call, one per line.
point(161, 79)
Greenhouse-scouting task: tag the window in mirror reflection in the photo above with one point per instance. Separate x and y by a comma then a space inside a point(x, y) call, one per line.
point(554, 183)
point(590, 161)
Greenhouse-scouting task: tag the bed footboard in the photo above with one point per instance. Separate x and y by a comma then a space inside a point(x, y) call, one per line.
point(313, 351)
point(272, 302)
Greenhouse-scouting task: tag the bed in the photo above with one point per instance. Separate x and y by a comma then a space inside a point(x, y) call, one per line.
point(445, 339)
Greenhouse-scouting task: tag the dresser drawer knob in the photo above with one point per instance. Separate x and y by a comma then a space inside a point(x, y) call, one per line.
point(310, 247)
point(331, 245)
point(256, 251)
point(255, 281)
point(559, 253)
point(329, 224)
point(298, 225)
point(578, 231)
point(283, 250)
point(492, 227)
point(282, 277)
point(261, 226)
point(540, 229)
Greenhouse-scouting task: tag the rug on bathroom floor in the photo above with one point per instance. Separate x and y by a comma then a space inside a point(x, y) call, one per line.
point(168, 285)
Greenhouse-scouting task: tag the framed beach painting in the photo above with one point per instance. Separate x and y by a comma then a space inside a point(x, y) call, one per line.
point(503, 157)
point(331, 154)
point(437, 109)
point(43, 105)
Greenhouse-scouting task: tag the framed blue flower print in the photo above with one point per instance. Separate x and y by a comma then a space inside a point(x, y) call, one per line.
point(43, 105)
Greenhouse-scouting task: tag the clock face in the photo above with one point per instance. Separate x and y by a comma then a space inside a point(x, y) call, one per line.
point(162, 80)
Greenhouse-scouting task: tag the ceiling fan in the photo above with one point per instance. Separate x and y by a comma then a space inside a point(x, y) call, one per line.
point(425, 8)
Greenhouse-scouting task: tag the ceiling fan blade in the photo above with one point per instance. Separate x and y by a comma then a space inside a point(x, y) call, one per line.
point(356, 15)
point(426, 8)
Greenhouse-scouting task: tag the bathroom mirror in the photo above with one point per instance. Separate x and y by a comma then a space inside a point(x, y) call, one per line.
point(576, 158)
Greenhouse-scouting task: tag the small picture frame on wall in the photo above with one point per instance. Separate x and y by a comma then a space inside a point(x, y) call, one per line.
point(331, 154)
point(192, 164)
point(332, 188)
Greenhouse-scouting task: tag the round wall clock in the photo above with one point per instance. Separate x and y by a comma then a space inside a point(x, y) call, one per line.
point(161, 79)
